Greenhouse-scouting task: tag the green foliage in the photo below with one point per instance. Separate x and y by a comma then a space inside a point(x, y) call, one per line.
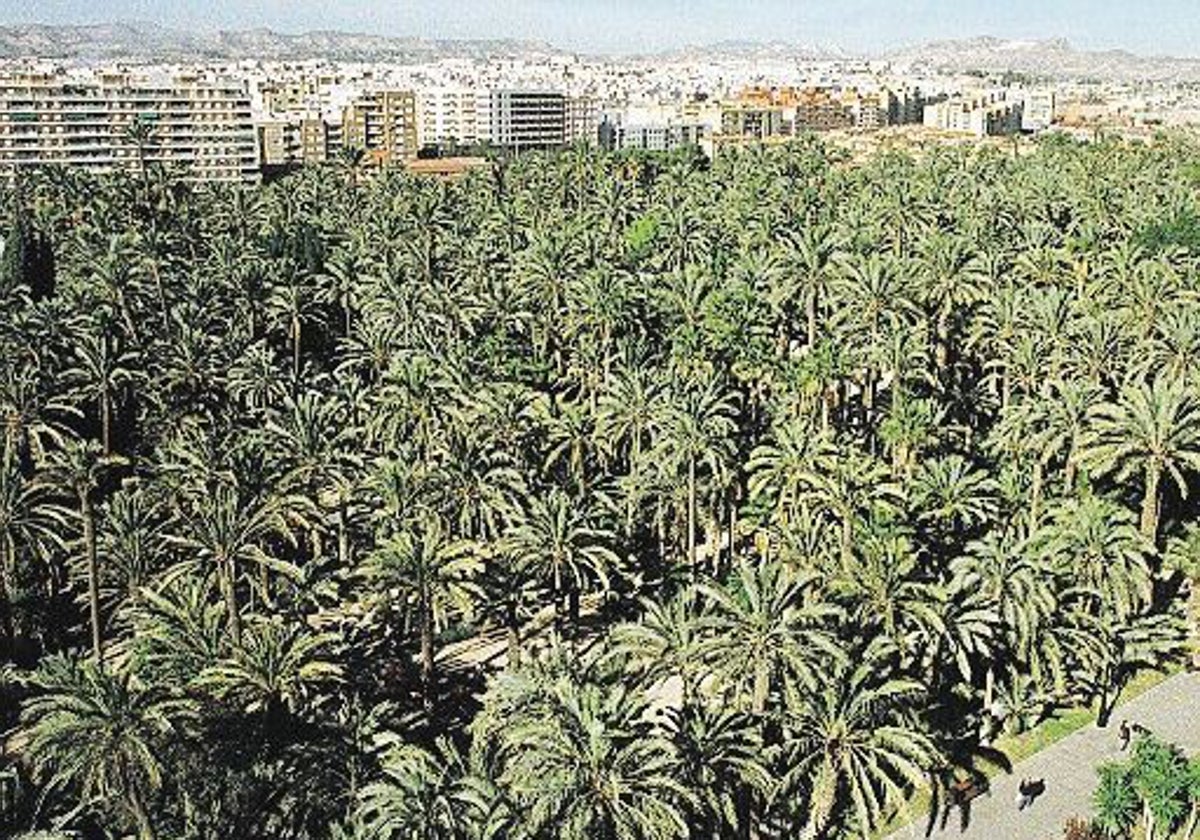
point(609, 496)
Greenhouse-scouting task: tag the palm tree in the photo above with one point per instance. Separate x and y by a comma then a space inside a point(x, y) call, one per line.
point(1152, 430)
point(766, 625)
point(720, 759)
point(29, 519)
point(229, 527)
point(272, 670)
point(423, 795)
point(429, 572)
point(78, 469)
point(697, 432)
point(101, 733)
point(590, 765)
point(664, 644)
point(556, 538)
point(852, 745)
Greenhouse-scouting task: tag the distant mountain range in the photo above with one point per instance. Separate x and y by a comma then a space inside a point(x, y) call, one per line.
point(150, 42)
point(138, 42)
point(1051, 58)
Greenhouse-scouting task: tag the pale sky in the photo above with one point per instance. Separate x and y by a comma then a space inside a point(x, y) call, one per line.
point(1157, 27)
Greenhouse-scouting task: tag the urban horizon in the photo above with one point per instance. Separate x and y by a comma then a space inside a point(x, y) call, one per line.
point(871, 28)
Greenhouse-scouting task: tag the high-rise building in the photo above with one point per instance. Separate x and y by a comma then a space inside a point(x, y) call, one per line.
point(199, 129)
point(383, 124)
point(525, 119)
point(320, 140)
point(448, 116)
point(278, 143)
point(820, 109)
point(582, 119)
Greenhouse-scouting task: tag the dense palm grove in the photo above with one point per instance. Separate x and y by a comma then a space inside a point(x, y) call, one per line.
point(630, 498)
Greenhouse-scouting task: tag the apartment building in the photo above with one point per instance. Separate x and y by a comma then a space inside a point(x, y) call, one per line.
point(653, 138)
point(871, 111)
point(320, 139)
point(383, 124)
point(1039, 110)
point(748, 121)
point(278, 143)
point(199, 129)
point(981, 114)
point(907, 104)
point(582, 121)
point(448, 116)
point(526, 119)
point(821, 109)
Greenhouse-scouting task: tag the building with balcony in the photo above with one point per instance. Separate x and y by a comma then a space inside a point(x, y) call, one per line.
point(525, 119)
point(383, 123)
point(448, 116)
point(981, 114)
point(198, 129)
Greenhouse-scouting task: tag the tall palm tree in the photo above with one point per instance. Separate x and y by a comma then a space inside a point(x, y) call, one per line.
point(853, 744)
point(102, 734)
point(78, 469)
point(431, 573)
point(1152, 430)
point(556, 537)
point(767, 625)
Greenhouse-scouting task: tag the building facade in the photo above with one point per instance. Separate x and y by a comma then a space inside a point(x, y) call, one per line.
point(448, 117)
point(526, 119)
point(653, 138)
point(980, 115)
point(1039, 112)
point(383, 124)
point(201, 130)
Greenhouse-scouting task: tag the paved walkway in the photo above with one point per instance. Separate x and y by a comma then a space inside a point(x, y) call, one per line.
point(1171, 710)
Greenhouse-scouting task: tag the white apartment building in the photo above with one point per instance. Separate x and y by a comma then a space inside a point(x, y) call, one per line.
point(202, 130)
point(526, 119)
point(1039, 110)
point(448, 115)
point(653, 138)
point(980, 115)
point(582, 121)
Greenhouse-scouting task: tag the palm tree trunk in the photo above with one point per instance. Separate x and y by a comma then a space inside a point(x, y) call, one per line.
point(93, 571)
point(343, 539)
point(7, 586)
point(762, 688)
point(821, 803)
point(1150, 502)
point(297, 334)
point(691, 514)
point(229, 585)
point(558, 592)
point(428, 675)
point(811, 313)
point(105, 420)
point(514, 635)
point(145, 830)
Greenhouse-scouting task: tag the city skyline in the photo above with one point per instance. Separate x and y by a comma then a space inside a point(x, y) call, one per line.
point(622, 27)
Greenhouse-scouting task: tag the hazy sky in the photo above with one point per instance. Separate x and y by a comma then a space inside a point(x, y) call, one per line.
point(1145, 26)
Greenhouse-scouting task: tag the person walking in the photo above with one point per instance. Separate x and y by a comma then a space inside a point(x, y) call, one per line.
point(1125, 733)
point(1023, 798)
